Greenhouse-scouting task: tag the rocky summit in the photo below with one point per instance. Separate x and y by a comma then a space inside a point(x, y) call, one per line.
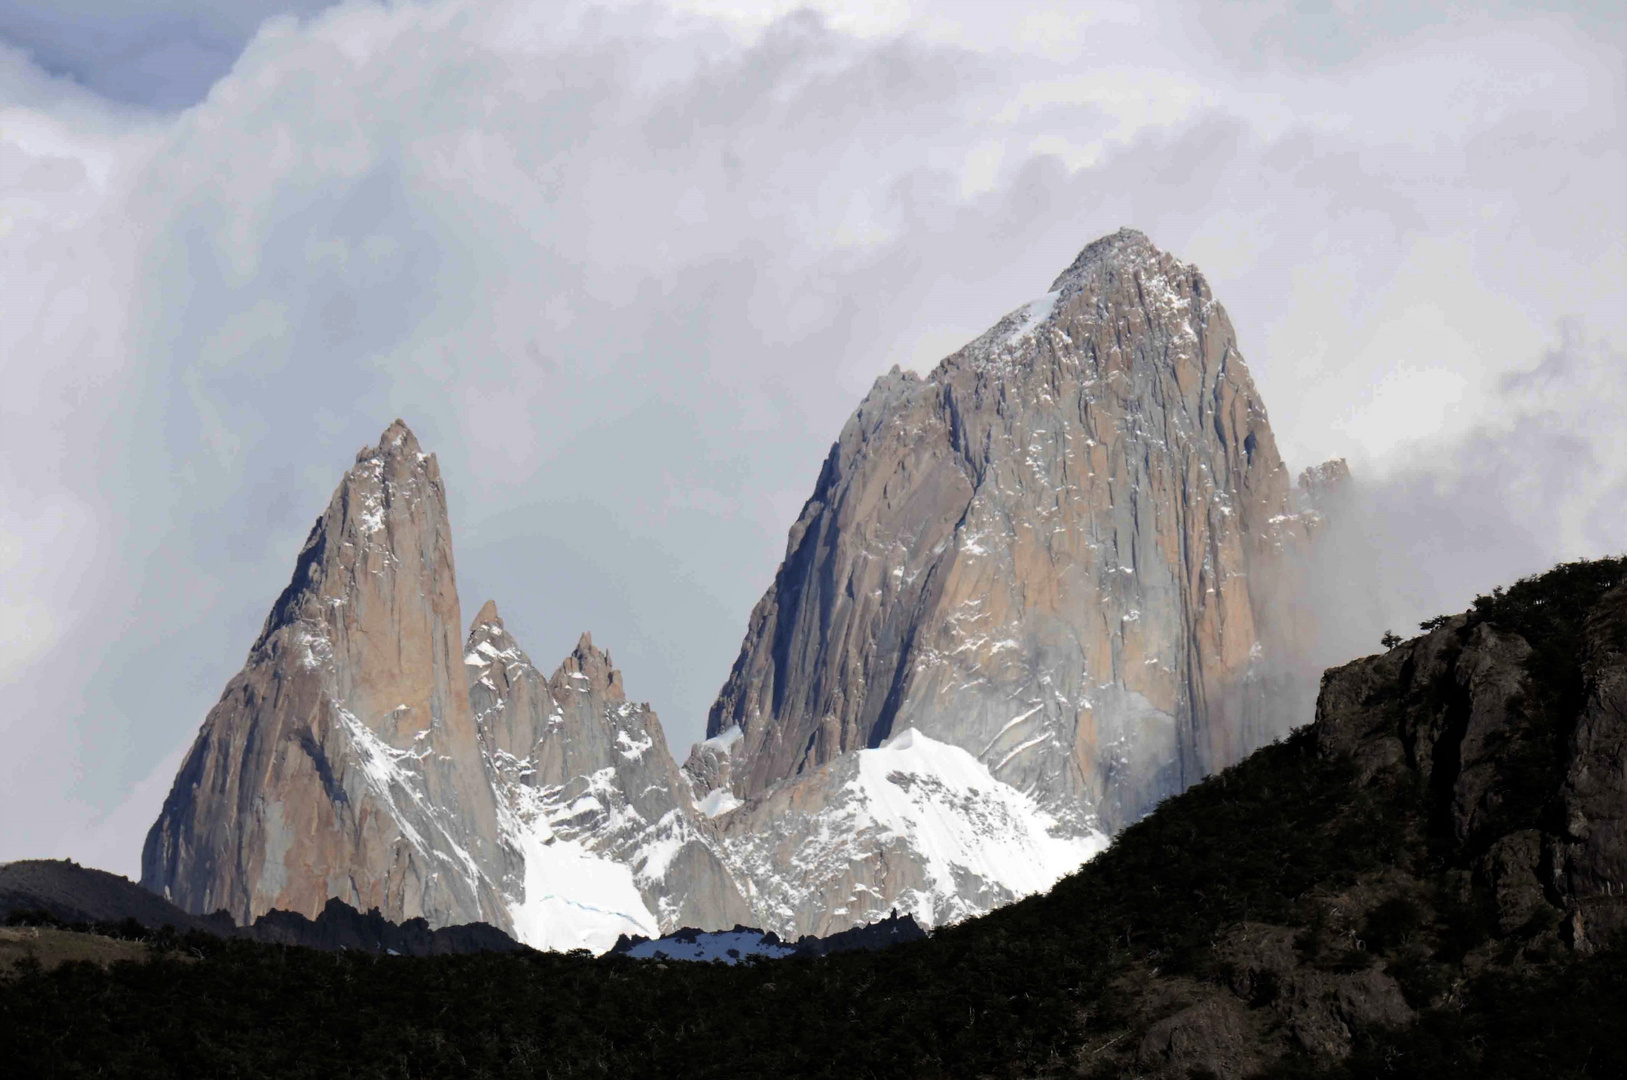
point(343, 761)
point(1058, 566)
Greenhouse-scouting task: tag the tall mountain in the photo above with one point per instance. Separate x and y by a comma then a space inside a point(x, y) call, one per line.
point(1064, 553)
point(590, 796)
point(343, 760)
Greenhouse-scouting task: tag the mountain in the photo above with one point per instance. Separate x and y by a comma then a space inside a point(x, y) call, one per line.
point(1425, 882)
point(590, 796)
point(1033, 594)
point(1062, 562)
point(916, 824)
point(343, 760)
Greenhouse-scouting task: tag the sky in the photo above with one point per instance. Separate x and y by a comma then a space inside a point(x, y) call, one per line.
point(626, 268)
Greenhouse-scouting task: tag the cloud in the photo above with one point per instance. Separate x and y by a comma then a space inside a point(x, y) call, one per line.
point(626, 269)
point(1540, 479)
point(159, 53)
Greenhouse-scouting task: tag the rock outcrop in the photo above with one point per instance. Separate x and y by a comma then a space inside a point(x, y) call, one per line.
point(343, 760)
point(591, 797)
point(1067, 552)
point(1518, 733)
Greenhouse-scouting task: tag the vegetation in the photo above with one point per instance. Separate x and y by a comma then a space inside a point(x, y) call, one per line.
point(1044, 987)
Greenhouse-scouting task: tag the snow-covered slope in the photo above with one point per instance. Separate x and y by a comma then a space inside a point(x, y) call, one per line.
point(571, 897)
point(915, 824)
point(616, 840)
point(592, 800)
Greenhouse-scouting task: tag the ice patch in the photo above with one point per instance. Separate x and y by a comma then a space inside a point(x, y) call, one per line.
point(630, 748)
point(724, 740)
point(1033, 314)
point(718, 801)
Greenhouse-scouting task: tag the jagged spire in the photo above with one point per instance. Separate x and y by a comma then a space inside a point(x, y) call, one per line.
point(397, 439)
point(358, 668)
point(593, 664)
point(487, 617)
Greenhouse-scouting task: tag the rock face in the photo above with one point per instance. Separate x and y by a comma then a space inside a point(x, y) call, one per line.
point(343, 760)
point(1527, 779)
point(1065, 552)
point(590, 795)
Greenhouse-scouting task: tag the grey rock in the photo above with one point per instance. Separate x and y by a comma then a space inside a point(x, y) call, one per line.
point(572, 757)
point(1512, 867)
point(1069, 551)
point(1215, 1036)
point(1448, 706)
point(1590, 859)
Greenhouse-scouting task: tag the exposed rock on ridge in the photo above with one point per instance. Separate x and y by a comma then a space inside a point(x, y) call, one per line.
point(1063, 552)
point(343, 761)
point(1528, 781)
point(590, 794)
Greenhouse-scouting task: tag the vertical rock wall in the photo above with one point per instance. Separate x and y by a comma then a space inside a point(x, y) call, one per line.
point(342, 761)
point(1061, 552)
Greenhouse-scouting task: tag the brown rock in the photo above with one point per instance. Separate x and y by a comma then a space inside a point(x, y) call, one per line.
point(343, 761)
point(1215, 1035)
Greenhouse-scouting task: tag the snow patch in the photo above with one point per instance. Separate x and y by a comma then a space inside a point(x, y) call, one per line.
point(958, 817)
point(718, 801)
point(630, 748)
point(1033, 314)
point(724, 740)
point(572, 897)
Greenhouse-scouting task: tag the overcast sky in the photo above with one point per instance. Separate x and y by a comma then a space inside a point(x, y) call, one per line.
point(627, 268)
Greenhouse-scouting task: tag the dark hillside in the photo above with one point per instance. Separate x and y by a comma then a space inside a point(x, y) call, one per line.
point(1425, 882)
point(71, 893)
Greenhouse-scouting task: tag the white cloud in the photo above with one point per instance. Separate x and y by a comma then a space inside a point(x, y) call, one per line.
point(627, 269)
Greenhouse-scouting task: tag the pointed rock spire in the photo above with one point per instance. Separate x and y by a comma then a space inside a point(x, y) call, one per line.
point(343, 759)
point(588, 668)
point(578, 768)
point(488, 615)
